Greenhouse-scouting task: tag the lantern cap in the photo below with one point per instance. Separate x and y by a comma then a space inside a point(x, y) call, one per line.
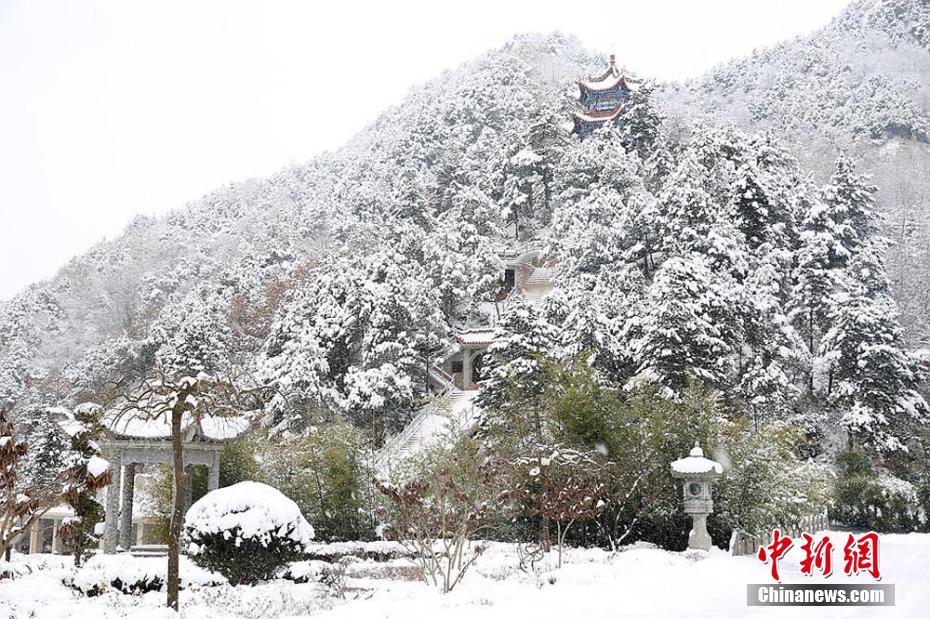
point(696, 466)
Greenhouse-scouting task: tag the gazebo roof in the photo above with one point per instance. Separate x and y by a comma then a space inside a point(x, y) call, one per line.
point(596, 116)
point(476, 337)
point(611, 78)
point(205, 429)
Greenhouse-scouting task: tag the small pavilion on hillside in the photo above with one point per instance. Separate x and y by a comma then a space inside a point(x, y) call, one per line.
point(466, 363)
point(132, 441)
point(602, 98)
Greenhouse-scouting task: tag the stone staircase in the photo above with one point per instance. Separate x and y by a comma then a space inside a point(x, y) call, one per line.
point(449, 411)
point(538, 285)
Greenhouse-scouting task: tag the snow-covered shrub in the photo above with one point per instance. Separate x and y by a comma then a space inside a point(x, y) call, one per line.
point(308, 570)
point(440, 507)
point(379, 551)
point(868, 499)
point(247, 532)
point(323, 471)
point(13, 570)
point(135, 575)
point(765, 484)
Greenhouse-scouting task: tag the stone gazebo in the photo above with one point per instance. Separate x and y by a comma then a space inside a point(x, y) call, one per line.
point(130, 442)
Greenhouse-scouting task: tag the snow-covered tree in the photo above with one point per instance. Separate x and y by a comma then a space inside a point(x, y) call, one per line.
point(516, 368)
point(21, 502)
point(86, 474)
point(680, 332)
point(872, 382)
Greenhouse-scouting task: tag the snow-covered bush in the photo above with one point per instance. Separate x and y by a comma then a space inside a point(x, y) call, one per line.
point(436, 512)
point(247, 532)
point(869, 499)
point(324, 471)
point(135, 575)
point(380, 550)
point(765, 484)
point(330, 575)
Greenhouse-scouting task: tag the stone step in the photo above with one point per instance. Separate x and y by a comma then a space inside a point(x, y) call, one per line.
point(149, 550)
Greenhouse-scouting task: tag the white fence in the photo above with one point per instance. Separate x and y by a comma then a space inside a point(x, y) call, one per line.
point(743, 543)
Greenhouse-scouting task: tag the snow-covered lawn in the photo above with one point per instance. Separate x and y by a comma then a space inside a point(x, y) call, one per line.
point(638, 582)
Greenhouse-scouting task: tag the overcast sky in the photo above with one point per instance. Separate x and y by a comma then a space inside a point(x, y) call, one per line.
point(109, 109)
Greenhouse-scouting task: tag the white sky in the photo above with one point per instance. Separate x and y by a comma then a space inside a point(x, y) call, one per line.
point(113, 108)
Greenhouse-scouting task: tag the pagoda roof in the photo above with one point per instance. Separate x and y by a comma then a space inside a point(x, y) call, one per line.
point(608, 84)
point(608, 80)
point(597, 116)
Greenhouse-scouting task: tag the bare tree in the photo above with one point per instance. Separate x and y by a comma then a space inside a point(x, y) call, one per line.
point(438, 513)
point(563, 486)
point(183, 400)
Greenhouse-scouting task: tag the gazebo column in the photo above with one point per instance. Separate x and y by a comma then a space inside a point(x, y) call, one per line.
point(466, 369)
point(55, 536)
point(34, 537)
point(125, 515)
point(111, 522)
point(213, 473)
point(188, 487)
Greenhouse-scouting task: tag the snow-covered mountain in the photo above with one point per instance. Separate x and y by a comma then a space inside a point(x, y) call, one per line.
point(683, 250)
point(247, 245)
point(860, 85)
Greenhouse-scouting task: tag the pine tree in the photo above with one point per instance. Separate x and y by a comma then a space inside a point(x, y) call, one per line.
point(680, 332)
point(641, 122)
point(516, 369)
point(872, 383)
point(86, 475)
point(835, 227)
point(849, 203)
point(763, 189)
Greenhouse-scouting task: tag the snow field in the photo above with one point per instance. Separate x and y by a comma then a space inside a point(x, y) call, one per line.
point(639, 581)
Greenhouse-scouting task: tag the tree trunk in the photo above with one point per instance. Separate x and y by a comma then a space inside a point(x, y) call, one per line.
point(174, 531)
point(810, 347)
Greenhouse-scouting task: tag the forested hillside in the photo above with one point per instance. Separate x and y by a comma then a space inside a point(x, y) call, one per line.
point(857, 86)
point(685, 254)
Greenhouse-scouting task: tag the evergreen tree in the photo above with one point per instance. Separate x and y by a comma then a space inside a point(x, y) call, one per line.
point(680, 332)
point(86, 475)
point(641, 122)
point(516, 368)
point(872, 382)
point(849, 203)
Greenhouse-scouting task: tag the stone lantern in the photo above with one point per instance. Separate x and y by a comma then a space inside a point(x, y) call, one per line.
point(697, 473)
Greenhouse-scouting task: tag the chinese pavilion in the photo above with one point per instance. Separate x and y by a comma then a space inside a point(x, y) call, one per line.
point(601, 99)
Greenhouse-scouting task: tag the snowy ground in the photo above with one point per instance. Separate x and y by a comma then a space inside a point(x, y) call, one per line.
point(638, 582)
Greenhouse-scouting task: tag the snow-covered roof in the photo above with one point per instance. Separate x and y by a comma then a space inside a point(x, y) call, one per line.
point(208, 428)
point(696, 465)
point(476, 337)
point(608, 84)
point(596, 116)
point(608, 80)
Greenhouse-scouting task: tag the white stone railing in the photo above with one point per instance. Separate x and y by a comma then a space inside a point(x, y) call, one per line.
point(743, 543)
